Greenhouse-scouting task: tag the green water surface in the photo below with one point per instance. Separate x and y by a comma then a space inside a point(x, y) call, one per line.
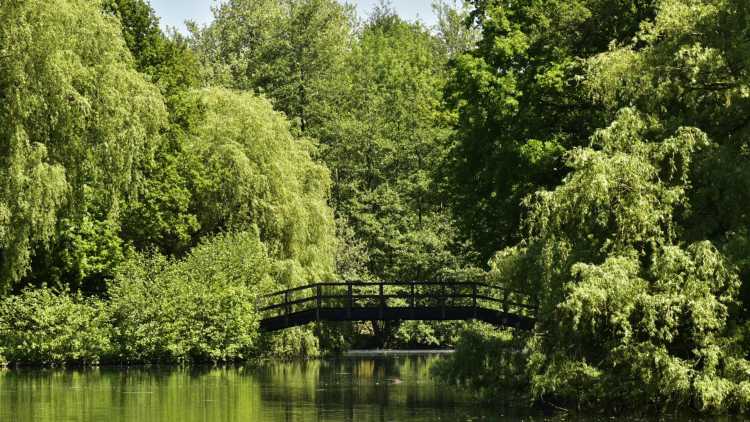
point(362, 388)
point(353, 389)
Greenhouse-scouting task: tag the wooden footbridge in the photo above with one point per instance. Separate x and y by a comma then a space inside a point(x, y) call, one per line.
point(396, 301)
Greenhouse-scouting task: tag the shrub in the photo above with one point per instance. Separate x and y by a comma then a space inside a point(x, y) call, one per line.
point(297, 342)
point(201, 308)
point(43, 327)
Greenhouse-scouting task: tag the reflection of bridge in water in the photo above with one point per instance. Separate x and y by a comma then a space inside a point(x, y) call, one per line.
point(396, 301)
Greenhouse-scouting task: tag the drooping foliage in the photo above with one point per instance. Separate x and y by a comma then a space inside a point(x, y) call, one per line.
point(252, 172)
point(624, 303)
point(159, 215)
point(520, 104)
point(114, 155)
point(76, 118)
point(373, 98)
point(639, 277)
point(593, 151)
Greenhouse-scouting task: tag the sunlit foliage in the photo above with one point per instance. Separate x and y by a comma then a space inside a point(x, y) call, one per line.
point(75, 119)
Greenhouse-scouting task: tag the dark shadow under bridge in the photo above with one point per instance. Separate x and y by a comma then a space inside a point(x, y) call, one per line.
point(396, 301)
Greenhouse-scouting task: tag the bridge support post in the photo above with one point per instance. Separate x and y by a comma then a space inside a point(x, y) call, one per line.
point(442, 300)
point(349, 302)
point(474, 299)
point(286, 308)
point(319, 301)
point(382, 302)
point(412, 300)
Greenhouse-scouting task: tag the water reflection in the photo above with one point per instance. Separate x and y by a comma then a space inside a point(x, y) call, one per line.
point(348, 389)
point(357, 389)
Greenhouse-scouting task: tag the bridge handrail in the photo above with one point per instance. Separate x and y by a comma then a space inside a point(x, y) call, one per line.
point(392, 283)
point(355, 297)
point(287, 303)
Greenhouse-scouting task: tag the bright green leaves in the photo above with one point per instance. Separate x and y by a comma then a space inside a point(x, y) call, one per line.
point(680, 302)
point(167, 60)
point(74, 114)
point(291, 51)
point(31, 192)
point(631, 312)
point(92, 163)
point(457, 37)
point(653, 335)
point(386, 146)
point(69, 78)
point(688, 68)
point(618, 206)
point(251, 172)
point(44, 328)
point(598, 306)
point(684, 67)
point(201, 308)
point(621, 195)
point(521, 86)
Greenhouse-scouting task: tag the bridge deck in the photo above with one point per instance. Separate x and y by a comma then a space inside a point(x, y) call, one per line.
point(396, 301)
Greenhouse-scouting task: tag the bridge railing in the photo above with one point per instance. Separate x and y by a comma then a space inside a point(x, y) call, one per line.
point(389, 294)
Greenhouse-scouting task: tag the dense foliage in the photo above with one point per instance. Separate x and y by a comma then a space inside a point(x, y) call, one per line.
point(118, 173)
point(76, 120)
point(592, 154)
point(200, 308)
point(293, 51)
point(42, 327)
point(632, 248)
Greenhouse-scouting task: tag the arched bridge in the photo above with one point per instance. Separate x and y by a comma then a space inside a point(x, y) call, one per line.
point(396, 301)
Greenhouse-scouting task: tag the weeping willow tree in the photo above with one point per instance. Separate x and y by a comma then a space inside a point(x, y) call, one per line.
point(631, 312)
point(637, 256)
point(75, 117)
point(252, 172)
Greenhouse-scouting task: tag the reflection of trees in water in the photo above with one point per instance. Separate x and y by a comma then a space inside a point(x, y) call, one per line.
point(131, 394)
point(346, 389)
point(350, 386)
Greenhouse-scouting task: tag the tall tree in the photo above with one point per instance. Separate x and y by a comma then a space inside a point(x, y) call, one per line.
point(385, 146)
point(159, 215)
point(454, 27)
point(520, 105)
point(289, 50)
point(637, 272)
point(690, 68)
point(75, 117)
point(251, 172)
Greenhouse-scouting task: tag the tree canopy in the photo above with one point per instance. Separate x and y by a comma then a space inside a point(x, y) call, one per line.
point(639, 277)
point(77, 119)
point(590, 154)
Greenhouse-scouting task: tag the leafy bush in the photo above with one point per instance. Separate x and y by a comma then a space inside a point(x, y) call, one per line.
point(630, 316)
point(297, 342)
point(44, 327)
point(200, 308)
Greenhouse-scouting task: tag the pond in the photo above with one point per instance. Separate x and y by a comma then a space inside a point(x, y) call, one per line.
point(357, 388)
